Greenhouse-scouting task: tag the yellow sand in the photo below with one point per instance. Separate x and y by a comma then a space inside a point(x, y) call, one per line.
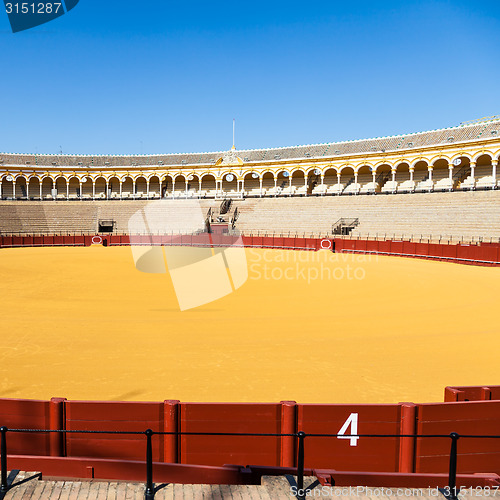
point(82, 323)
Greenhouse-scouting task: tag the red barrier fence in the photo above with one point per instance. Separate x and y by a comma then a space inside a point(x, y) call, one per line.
point(477, 393)
point(391, 454)
point(480, 254)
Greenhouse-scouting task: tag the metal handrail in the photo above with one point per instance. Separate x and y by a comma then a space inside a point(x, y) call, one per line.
point(301, 436)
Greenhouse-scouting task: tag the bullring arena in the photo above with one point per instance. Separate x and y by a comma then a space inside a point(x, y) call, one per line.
point(371, 278)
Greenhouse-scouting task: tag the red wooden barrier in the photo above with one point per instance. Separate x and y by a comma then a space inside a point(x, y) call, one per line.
point(396, 247)
point(471, 254)
point(384, 246)
point(374, 454)
point(409, 248)
point(421, 249)
point(113, 416)
point(475, 393)
point(48, 240)
point(474, 455)
point(227, 417)
point(427, 455)
point(26, 414)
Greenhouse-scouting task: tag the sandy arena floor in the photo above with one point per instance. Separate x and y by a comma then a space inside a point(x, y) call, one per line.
point(83, 323)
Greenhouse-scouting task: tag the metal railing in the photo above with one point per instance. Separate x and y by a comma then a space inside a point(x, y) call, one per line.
point(451, 492)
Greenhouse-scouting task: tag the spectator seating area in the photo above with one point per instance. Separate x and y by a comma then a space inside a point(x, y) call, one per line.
point(467, 215)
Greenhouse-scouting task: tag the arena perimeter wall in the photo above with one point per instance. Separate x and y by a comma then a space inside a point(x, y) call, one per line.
point(483, 254)
point(400, 454)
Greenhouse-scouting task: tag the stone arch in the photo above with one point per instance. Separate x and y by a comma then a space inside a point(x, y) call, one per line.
point(180, 186)
point(229, 188)
point(74, 188)
point(21, 187)
point(269, 183)
point(7, 186)
point(61, 186)
point(34, 187)
point(314, 185)
point(140, 187)
point(365, 178)
point(47, 186)
point(298, 185)
point(483, 171)
point(114, 183)
point(481, 154)
point(154, 187)
point(283, 180)
point(208, 185)
point(440, 169)
point(251, 183)
point(100, 186)
point(167, 183)
point(346, 177)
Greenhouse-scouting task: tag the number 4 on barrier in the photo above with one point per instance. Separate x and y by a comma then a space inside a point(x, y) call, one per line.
point(352, 421)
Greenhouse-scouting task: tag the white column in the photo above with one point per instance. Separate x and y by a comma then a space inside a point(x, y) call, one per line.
point(430, 169)
point(93, 189)
point(67, 189)
point(472, 169)
point(133, 189)
point(305, 182)
point(393, 172)
point(494, 164)
point(356, 182)
point(338, 182)
point(275, 185)
point(260, 187)
point(412, 170)
point(147, 189)
point(199, 186)
point(374, 175)
point(81, 189)
point(14, 189)
point(40, 186)
point(173, 187)
point(450, 172)
point(121, 189)
point(186, 192)
point(28, 189)
point(290, 186)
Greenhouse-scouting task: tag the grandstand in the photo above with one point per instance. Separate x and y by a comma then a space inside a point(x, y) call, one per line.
point(459, 216)
point(457, 158)
point(437, 184)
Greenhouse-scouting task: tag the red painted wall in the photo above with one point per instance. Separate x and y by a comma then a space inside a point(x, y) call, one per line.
point(368, 454)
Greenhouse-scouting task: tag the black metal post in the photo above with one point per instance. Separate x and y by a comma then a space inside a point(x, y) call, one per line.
point(150, 490)
point(300, 465)
point(3, 452)
point(452, 478)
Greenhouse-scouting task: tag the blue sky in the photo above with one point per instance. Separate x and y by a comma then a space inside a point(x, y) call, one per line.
point(120, 77)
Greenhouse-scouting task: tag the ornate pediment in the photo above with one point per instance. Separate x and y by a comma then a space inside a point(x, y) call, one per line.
point(229, 158)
